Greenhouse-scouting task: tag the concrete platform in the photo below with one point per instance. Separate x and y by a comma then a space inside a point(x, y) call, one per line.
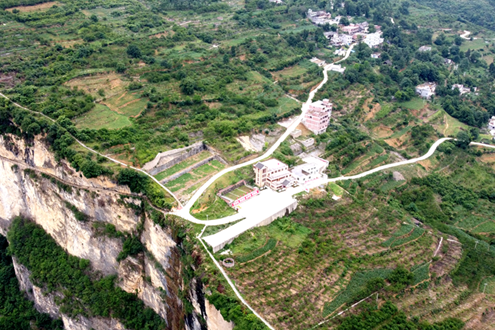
point(258, 211)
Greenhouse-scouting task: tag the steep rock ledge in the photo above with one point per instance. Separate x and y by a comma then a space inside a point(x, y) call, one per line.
point(155, 276)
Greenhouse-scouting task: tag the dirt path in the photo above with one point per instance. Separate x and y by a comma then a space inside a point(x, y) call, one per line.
point(446, 124)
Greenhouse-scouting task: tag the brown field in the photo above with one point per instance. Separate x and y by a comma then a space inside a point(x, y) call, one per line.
point(382, 131)
point(40, 7)
point(370, 115)
point(111, 83)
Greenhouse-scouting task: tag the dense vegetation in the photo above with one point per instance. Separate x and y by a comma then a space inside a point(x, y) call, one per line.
point(388, 317)
point(36, 250)
point(16, 311)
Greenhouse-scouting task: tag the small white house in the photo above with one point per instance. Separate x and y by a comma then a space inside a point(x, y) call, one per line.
point(426, 90)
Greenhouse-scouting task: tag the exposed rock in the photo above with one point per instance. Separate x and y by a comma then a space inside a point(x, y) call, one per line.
point(155, 276)
point(258, 141)
point(398, 176)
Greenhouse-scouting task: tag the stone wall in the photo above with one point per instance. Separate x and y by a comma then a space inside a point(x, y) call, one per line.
point(165, 160)
point(189, 169)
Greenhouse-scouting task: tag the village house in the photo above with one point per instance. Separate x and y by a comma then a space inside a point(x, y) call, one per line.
point(341, 39)
point(271, 173)
point(276, 175)
point(336, 67)
point(317, 118)
point(319, 17)
point(330, 34)
point(447, 61)
point(376, 55)
point(340, 52)
point(309, 144)
point(317, 61)
point(424, 49)
point(373, 39)
point(491, 126)
point(463, 89)
point(296, 133)
point(426, 90)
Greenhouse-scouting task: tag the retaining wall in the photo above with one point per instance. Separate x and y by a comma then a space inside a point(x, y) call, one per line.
point(243, 226)
point(189, 169)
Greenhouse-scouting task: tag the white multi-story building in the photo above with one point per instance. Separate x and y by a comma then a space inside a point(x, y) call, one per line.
point(341, 39)
point(275, 174)
point(317, 117)
point(373, 39)
point(271, 173)
point(491, 126)
point(426, 90)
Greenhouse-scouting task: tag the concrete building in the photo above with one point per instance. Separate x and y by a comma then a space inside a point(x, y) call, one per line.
point(329, 35)
point(373, 39)
point(319, 17)
point(352, 29)
point(296, 133)
point(447, 61)
point(271, 173)
point(317, 61)
point(462, 89)
point(317, 117)
point(336, 67)
point(426, 90)
point(341, 39)
point(424, 49)
point(309, 144)
point(376, 55)
point(491, 123)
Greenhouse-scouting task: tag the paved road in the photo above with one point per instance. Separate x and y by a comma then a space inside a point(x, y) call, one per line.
point(185, 211)
point(96, 152)
point(466, 34)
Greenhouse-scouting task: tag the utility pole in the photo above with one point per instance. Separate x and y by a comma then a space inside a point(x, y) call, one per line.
point(484, 288)
point(207, 217)
point(476, 244)
point(377, 298)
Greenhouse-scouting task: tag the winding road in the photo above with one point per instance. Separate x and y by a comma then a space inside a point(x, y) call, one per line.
point(185, 211)
point(94, 151)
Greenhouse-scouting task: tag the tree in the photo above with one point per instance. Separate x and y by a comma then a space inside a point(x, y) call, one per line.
point(94, 18)
point(463, 139)
point(226, 58)
point(134, 51)
point(491, 69)
point(187, 86)
point(458, 40)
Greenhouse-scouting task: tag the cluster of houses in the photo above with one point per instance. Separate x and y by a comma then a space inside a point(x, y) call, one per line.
point(463, 89)
point(321, 17)
point(427, 89)
point(350, 33)
point(278, 176)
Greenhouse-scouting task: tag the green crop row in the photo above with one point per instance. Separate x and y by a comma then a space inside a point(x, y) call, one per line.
point(258, 252)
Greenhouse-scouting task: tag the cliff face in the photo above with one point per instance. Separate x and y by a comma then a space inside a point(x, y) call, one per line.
point(155, 276)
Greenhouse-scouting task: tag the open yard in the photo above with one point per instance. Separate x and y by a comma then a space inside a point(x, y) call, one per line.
point(238, 192)
point(415, 103)
point(38, 7)
point(102, 117)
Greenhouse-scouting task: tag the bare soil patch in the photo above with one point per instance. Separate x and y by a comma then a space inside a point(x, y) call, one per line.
point(377, 107)
point(159, 35)
point(304, 130)
point(382, 131)
point(111, 83)
point(40, 7)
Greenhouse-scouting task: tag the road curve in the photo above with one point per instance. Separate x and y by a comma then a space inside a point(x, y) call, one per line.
point(186, 209)
point(96, 152)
